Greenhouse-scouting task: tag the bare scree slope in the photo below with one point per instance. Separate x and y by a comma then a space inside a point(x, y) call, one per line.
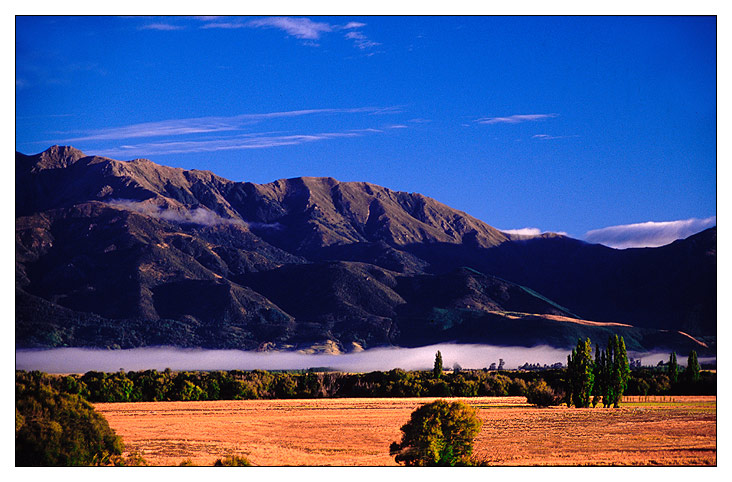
point(125, 254)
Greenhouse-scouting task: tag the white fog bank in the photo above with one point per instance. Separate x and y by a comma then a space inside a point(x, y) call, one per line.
point(81, 360)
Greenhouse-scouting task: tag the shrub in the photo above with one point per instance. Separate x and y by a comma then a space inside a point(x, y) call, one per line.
point(438, 434)
point(541, 394)
point(233, 461)
point(59, 429)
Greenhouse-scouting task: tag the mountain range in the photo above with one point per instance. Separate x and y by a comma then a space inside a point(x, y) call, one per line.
point(131, 253)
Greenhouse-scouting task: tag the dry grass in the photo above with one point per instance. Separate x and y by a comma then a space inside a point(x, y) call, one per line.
point(345, 432)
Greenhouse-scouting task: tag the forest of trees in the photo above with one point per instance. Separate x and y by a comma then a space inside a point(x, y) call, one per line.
point(153, 385)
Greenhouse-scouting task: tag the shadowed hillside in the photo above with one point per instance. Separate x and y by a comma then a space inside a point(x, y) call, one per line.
point(115, 253)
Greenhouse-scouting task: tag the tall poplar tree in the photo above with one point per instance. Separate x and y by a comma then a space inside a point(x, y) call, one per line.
point(616, 361)
point(437, 370)
point(608, 392)
point(598, 387)
point(692, 368)
point(580, 374)
point(673, 368)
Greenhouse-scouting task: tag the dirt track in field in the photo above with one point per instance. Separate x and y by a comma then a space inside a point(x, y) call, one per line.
point(346, 432)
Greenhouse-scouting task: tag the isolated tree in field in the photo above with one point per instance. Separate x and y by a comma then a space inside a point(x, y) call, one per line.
point(692, 368)
point(673, 368)
point(437, 370)
point(580, 374)
point(438, 434)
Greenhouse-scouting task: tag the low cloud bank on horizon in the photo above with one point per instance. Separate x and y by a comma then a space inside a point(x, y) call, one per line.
point(81, 360)
point(650, 234)
point(530, 232)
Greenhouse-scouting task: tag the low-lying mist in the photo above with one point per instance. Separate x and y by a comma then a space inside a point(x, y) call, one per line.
point(81, 360)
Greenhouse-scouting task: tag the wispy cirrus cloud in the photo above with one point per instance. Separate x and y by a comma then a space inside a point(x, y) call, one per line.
point(301, 28)
point(515, 119)
point(246, 141)
point(163, 27)
point(201, 125)
point(649, 234)
point(547, 137)
point(360, 40)
point(224, 25)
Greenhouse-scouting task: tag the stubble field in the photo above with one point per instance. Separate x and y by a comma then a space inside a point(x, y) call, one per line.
point(357, 432)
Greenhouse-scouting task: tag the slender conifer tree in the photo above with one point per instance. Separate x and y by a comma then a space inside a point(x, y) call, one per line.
point(673, 368)
point(598, 387)
point(437, 370)
point(617, 370)
point(580, 374)
point(692, 368)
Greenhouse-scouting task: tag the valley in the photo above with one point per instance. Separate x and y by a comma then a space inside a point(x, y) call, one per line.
point(675, 430)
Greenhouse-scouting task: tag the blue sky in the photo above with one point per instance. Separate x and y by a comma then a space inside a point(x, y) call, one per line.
point(565, 124)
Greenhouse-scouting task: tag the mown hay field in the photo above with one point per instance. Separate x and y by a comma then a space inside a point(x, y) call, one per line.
point(357, 432)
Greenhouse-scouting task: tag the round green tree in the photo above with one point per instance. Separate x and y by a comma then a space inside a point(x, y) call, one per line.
point(439, 433)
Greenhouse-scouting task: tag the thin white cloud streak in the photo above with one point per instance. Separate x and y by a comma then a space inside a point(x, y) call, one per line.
point(81, 360)
point(649, 234)
point(199, 125)
point(546, 137)
point(163, 27)
point(200, 215)
point(234, 143)
point(515, 119)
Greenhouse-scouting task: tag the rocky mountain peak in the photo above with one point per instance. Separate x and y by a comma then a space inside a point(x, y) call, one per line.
point(57, 157)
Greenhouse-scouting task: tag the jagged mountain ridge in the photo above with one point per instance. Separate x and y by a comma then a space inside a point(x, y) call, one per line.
point(327, 212)
point(291, 263)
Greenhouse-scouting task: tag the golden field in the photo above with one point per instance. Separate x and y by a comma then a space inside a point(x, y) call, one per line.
point(357, 432)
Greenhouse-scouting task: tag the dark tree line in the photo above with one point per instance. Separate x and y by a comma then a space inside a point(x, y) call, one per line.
point(152, 385)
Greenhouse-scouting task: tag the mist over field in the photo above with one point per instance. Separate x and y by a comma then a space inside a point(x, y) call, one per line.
point(81, 360)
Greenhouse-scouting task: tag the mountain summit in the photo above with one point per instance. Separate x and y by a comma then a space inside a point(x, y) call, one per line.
point(132, 253)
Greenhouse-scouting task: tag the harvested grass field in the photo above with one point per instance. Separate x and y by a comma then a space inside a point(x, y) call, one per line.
point(357, 432)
